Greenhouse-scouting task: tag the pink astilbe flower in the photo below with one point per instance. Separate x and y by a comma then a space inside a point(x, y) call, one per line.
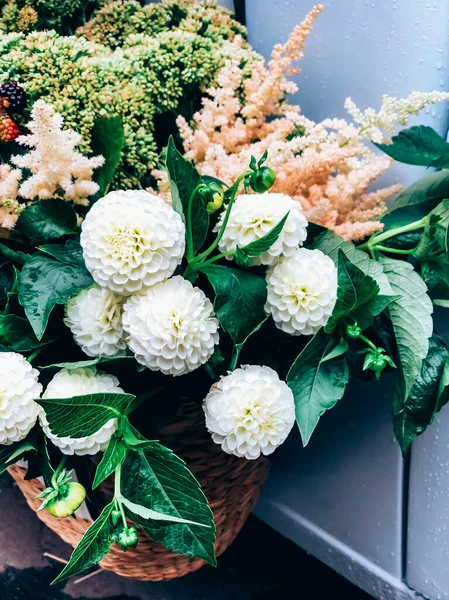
point(57, 169)
point(325, 166)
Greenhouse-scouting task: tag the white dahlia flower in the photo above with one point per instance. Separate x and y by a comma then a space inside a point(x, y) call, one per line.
point(253, 215)
point(172, 328)
point(77, 382)
point(94, 317)
point(19, 389)
point(302, 290)
point(132, 240)
point(250, 411)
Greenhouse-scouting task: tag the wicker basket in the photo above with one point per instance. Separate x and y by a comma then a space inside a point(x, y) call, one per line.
point(232, 486)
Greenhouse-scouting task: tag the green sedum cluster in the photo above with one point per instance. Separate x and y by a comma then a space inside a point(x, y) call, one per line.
point(146, 64)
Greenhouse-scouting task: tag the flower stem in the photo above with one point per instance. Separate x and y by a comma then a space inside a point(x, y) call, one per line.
point(375, 240)
point(33, 355)
point(235, 357)
point(54, 479)
point(117, 495)
point(215, 243)
point(189, 221)
point(367, 341)
point(393, 250)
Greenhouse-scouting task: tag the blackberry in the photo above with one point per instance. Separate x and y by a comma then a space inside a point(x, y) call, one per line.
point(15, 96)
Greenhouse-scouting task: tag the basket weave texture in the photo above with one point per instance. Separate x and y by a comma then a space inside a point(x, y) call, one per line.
point(232, 486)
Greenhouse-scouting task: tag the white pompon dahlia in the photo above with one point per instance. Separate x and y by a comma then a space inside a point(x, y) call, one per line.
point(76, 382)
point(94, 317)
point(250, 411)
point(302, 290)
point(132, 240)
point(19, 389)
point(253, 215)
point(172, 328)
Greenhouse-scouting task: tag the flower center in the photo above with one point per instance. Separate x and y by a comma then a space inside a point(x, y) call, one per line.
point(125, 243)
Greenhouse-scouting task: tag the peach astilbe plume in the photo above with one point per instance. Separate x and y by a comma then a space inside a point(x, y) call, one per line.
point(325, 166)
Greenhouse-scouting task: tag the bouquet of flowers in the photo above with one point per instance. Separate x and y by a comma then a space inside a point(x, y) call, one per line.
point(254, 278)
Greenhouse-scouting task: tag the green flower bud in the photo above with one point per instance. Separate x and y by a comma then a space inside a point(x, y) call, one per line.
point(214, 195)
point(353, 331)
point(67, 500)
point(115, 517)
point(376, 360)
point(262, 180)
point(128, 538)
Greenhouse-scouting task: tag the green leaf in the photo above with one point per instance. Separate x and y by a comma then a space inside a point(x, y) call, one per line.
point(157, 479)
point(431, 188)
point(264, 243)
point(419, 145)
point(434, 238)
point(153, 515)
point(93, 547)
point(183, 178)
point(47, 220)
point(39, 464)
point(355, 289)
point(18, 257)
point(114, 455)
point(330, 244)
point(82, 364)
point(339, 350)
point(108, 140)
point(443, 388)
point(70, 253)
point(441, 302)
point(81, 416)
point(411, 316)
point(43, 283)
point(6, 283)
point(240, 297)
point(14, 452)
point(317, 382)
point(17, 335)
point(412, 415)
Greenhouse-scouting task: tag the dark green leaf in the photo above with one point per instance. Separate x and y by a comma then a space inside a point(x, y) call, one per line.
point(137, 510)
point(317, 382)
point(6, 283)
point(81, 416)
point(330, 244)
point(338, 350)
point(39, 464)
point(43, 283)
point(14, 452)
point(432, 188)
point(70, 253)
point(18, 257)
point(411, 316)
point(240, 297)
point(93, 547)
point(47, 220)
point(443, 388)
point(443, 303)
point(108, 140)
point(412, 415)
point(82, 364)
point(355, 289)
point(158, 480)
point(114, 455)
point(419, 145)
point(266, 241)
point(17, 335)
point(184, 178)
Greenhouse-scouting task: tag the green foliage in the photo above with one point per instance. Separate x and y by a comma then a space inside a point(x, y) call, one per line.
point(70, 253)
point(17, 335)
point(81, 416)
point(430, 189)
point(113, 456)
point(108, 140)
point(419, 145)
point(318, 379)
point(239, 302)
point(157, 479)
point(411, 317)
point(43, 283)
point(355, 290)
point(47, 220)
point(93, 546)
point(256, 248)
point(11, 454)
point(412, 414)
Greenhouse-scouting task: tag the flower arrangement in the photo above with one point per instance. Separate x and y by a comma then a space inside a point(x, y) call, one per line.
point(255, 282)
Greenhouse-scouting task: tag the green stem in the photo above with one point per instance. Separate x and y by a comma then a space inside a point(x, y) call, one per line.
point(117, 495)
point(375, 240)
point(217, 240)
point(215, 258)
point(33, 355)
point(235, 357)
point(369, 342)
point(54, 479)
point(189, 221)
point(393, 250)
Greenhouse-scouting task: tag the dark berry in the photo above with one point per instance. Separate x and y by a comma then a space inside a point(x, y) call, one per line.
point(15, 95)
